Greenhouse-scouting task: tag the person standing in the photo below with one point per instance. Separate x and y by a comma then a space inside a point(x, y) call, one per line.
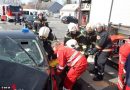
point(102, 49)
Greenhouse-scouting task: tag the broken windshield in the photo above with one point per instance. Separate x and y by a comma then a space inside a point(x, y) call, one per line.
point(12, 52)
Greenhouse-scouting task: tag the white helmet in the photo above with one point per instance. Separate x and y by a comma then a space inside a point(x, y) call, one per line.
point(98, 25)
point(89, 27)
point(72, 27)
point(44, 31)
point(72, 43)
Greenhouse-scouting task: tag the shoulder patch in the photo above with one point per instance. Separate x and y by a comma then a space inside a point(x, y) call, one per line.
point(98, 37)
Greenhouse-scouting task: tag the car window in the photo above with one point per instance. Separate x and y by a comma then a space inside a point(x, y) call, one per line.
point(26, 12)
point(30, 18)
point(12, 52)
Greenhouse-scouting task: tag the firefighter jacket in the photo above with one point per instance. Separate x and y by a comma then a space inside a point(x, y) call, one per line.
point(124, 53)
point(38, 23)
point(69, 57)
point(103, 41)
point(78, 37)
point(90, 37)
point(47, 46)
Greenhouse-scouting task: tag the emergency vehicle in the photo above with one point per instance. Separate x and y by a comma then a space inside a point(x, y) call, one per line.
point(8, 12)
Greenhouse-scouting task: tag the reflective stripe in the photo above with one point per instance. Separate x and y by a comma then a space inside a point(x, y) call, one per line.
point(98, 47)
point(120, 83)
point(124, 71)
point(76, 60)
point(84, 47)
point(60, 67)
point(128, 42)
point(100, 73)
point(107, 50)
point(72, 57)
point(120, 60)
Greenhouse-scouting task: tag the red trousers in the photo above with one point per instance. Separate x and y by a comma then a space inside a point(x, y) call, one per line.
point(127, 88)
point(74, 73)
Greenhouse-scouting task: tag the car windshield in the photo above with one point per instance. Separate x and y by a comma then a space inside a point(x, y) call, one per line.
point(30, 18)
point(15, 8)
point(12, 52)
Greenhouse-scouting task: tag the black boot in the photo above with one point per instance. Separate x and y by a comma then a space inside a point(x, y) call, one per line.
point(94, 71)
point(98, 78)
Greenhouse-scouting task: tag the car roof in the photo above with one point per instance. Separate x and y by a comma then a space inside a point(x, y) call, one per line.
point(17, 34)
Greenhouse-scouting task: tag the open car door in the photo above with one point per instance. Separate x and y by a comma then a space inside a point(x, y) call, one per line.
point(20, 77)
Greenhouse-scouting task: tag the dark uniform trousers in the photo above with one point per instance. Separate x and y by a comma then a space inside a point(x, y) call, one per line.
point(100, 61)
point(102, 55)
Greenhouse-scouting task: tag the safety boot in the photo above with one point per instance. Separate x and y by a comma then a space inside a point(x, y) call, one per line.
point(98, 78)
point(94, 71)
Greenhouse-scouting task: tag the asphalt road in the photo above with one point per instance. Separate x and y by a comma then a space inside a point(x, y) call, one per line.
point(85, 82)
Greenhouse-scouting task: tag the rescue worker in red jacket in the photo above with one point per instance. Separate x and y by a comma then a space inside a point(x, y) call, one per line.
point(73, 59)
point(124, 68)
point(102, 49)
point(72, 43)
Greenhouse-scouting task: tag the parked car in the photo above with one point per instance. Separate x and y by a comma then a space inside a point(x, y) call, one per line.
point(68, 19)
point(23, 62)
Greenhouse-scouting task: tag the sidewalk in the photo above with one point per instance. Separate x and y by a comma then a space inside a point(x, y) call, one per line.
point(110, 78)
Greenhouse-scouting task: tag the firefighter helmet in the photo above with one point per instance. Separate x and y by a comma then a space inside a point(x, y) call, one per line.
point(89, 27)
point(99, 27)
point(72, 27)
point(72, 43)
point(44, 32)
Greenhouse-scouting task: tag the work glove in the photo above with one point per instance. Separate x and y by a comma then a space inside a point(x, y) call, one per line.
point(92, 51)
point(58, 71)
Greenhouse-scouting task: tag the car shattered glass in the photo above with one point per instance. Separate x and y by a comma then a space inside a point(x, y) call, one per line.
point(12, 52)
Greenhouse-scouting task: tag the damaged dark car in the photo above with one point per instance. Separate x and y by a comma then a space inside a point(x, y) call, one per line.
point(23, 62)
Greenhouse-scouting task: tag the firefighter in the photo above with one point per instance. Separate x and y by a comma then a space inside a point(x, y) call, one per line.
point(90, 35)
point(124, 69)
point(17, 19)
point(39, 22)
point(47, 37)
point(103, 48)
point(73, 59)
point(74, 33)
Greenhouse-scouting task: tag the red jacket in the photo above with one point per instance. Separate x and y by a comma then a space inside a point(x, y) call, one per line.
point(124, 51)
point(68, 56)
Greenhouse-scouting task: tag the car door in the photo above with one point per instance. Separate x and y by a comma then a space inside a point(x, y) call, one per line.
point(17, 76)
